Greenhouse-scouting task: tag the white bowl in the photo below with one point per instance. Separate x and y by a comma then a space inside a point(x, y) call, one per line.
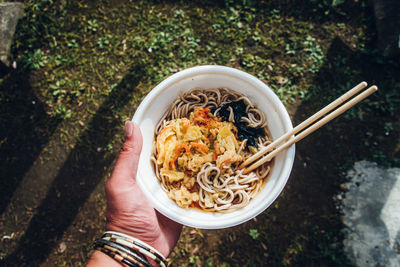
point(156, 104)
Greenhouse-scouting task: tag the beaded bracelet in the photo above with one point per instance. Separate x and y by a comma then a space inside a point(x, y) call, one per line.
point(128, 250)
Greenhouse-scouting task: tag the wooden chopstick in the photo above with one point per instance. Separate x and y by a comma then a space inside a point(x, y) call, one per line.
point(305, 123)
point(314, 127)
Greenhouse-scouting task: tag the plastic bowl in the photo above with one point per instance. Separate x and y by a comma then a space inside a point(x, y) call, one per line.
point(156, 103)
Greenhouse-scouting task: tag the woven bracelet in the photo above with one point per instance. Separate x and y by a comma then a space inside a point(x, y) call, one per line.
point(116, 256)
point(136, 244)
point(130, 256)
point(127, 254)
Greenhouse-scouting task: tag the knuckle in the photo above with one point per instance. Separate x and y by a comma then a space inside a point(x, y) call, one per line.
point(127, 147)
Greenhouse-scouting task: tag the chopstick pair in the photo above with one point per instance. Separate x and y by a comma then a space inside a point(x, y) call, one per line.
point(290, 137)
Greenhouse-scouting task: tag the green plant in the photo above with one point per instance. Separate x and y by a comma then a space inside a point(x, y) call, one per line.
point(73, 44)
point(315, 54)
point(92, 25)
point(254, 233)
point(193, 259)
point(62, 111)
point(102, 42)
point(34, 60)
point(208, 263)
point(329, 6)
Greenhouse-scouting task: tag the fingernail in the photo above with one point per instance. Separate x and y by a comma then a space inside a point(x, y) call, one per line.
point(128, 128)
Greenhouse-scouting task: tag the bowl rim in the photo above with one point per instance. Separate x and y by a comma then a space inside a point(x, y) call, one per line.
point(201, 70)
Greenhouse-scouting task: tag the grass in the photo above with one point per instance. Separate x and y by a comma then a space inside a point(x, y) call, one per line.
point(85, 61)
point(102, 46)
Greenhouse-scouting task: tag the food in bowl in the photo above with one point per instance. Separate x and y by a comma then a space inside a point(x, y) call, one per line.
point(199, 144)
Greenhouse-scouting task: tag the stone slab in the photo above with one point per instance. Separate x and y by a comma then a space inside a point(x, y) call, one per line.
point(371, 214)
point(10, 13)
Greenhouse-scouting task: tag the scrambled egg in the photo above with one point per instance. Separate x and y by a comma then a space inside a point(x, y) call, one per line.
point(185, 145)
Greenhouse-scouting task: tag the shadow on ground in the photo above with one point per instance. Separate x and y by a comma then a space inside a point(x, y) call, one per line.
point(303, 226)
point(26, 129)
point(82, 171)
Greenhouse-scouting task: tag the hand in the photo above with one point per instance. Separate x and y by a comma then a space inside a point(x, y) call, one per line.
point(128, 210)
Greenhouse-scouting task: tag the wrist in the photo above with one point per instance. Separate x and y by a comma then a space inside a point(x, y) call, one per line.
point(157, 243)
point(98, 258)
point(128, 249)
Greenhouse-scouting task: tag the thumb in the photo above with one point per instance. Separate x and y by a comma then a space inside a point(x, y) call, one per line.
point(127, 163)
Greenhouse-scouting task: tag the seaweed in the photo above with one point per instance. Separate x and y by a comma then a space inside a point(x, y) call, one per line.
point(244, 131)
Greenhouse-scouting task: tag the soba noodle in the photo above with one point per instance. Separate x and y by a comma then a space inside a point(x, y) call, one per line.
point(214, 186)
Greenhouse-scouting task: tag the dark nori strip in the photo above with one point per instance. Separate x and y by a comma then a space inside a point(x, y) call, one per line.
point(244, 131)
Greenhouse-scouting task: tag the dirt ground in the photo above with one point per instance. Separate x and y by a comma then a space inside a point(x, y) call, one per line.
point(67, 212)
point(52, 199)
